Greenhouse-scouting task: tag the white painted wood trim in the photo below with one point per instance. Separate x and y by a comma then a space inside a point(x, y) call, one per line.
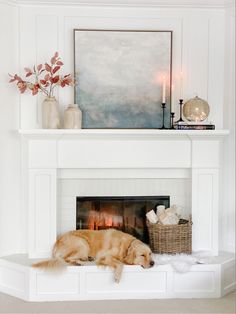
point(124, 132)
point(218, 4)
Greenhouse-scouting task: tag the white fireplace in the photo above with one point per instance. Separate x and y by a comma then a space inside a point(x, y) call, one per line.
point(62, 164)
point(134, 162)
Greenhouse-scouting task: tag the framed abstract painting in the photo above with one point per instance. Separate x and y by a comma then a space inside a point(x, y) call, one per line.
point(119, 77)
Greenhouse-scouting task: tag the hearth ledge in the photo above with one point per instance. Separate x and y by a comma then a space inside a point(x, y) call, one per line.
point(88, 282)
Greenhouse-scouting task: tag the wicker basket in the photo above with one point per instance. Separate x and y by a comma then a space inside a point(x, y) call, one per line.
point(170, 239)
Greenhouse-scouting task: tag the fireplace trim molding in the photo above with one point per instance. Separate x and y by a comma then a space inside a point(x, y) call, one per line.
point(50, 152)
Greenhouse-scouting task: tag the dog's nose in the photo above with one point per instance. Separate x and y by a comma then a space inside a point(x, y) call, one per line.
point(152, 263)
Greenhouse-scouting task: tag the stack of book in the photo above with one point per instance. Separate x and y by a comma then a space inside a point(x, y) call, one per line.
point(194, 126)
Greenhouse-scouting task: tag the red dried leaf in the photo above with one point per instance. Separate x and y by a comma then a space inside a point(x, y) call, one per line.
point(43, 82)
point(12, 80)
point(53, 60)
point(48, 68)
point(56, 69)
point(59, 63)
point(68, 79)
point(35, 91)
point(29, 74)
point(39, 67)
point(47, 77)
point(22, 86)
point(56, 55)
point(27, 70)
point(55, 79)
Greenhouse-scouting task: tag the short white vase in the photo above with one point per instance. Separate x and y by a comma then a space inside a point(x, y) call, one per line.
point(73, 117)
point(50, 113)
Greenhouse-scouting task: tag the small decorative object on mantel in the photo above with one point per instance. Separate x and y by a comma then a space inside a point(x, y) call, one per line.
point(46, 78)
point(163, 105)
point(172, 117)
point(196, 111)
point(194, 126)
point(180, 111)
point(72, 117)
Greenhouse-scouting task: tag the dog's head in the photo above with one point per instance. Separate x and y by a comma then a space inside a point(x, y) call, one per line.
point(139, 254)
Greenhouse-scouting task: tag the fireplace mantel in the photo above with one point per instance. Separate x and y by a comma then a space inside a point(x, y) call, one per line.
point(140, 153)
point(156, 133)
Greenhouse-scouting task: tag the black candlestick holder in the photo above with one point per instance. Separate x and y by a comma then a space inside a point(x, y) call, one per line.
point(172, 116)
point(180, 111)
point(163, 106)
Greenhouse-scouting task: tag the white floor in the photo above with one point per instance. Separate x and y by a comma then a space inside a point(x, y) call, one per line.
point(224, 305)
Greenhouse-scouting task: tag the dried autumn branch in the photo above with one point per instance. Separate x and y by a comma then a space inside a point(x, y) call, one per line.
point(46, 78)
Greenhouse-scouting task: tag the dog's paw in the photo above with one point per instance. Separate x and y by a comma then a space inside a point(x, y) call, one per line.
point(91, 259)
point(118, 272)
point(79, 263)
point(117, 278)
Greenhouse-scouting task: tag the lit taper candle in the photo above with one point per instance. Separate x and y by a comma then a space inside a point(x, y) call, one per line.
point(164, 90)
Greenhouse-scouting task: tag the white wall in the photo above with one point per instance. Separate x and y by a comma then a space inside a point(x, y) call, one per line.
point(198, 46)
point(228, 206)
point(10, 151)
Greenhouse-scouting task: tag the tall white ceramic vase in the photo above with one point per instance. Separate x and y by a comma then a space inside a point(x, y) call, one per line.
point(50, 113)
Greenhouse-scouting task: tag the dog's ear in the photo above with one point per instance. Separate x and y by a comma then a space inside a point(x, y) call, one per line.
point(130, 255)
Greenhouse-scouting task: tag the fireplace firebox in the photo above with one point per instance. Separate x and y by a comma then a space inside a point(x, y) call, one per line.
point(125, 213)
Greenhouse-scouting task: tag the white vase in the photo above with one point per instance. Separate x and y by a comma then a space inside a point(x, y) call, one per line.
point(72, 117)
point(50, 113)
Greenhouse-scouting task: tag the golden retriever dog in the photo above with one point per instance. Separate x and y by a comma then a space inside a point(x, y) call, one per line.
point(108, 247)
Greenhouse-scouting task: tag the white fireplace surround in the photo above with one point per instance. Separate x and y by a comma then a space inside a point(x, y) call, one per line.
point(101, 154)
point(52, 155)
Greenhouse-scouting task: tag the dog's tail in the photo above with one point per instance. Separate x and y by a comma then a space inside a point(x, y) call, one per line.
point(51, 264)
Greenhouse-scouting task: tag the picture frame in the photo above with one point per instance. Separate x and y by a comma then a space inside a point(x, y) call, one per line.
point(119, 77)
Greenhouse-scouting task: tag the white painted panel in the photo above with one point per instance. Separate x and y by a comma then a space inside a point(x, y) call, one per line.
point(42, 212)
point(204, 281)
point(205, 154)
point(51, 284)
point(42, 153)
point(46, 36)
point(27, 33)
point(12, 279)
point(148, 281)
point(123, 154)
point(46, 46)
point(195, 55)
point(205, 197)
point(216, 69)
point(229, 277)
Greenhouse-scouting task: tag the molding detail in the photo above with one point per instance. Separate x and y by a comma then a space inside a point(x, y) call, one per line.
point(128, 3)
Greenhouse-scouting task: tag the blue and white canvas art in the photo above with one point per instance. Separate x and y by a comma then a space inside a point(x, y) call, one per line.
point(119, 77)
